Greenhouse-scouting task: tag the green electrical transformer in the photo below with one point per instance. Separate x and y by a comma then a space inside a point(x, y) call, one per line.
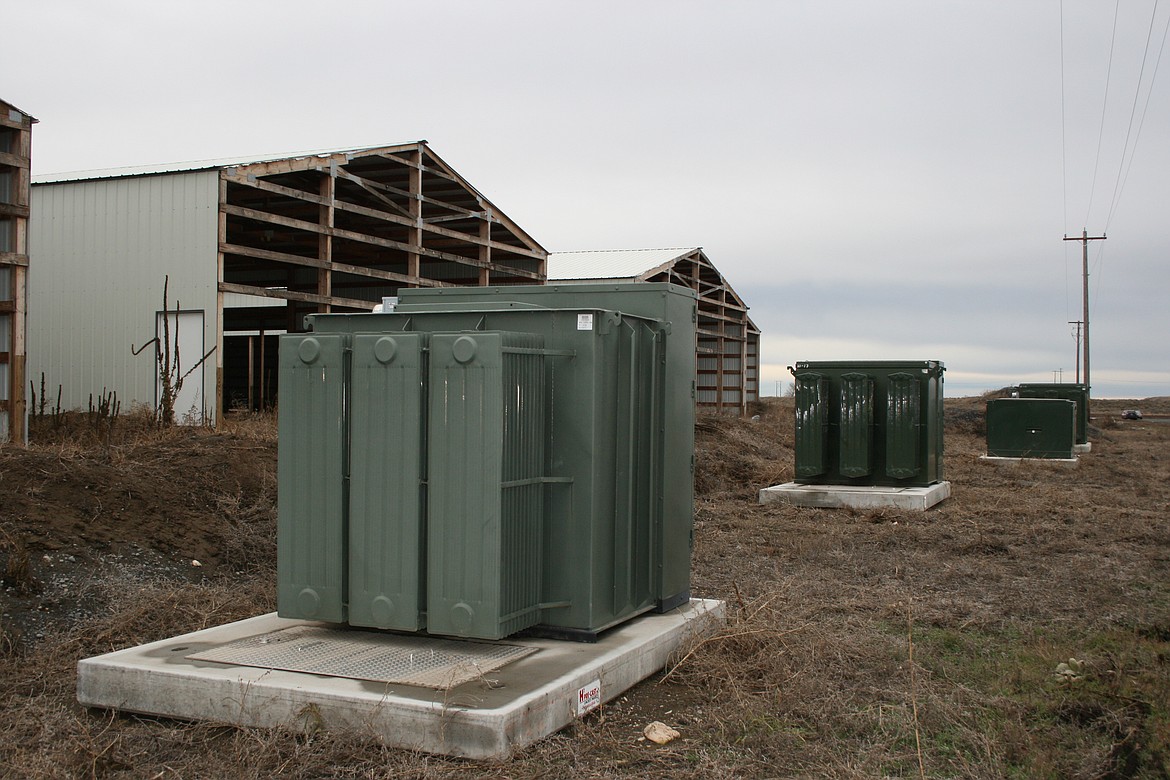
point(486, 460)
point(1044, 428)
point(877, 423)
point(1065, 391)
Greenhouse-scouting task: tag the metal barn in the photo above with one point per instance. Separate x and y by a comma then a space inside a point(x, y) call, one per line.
point(15, 164)
point(728, 342)
point(246, 248)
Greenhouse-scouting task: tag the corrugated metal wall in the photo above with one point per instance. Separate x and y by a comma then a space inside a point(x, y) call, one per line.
point(101, 251)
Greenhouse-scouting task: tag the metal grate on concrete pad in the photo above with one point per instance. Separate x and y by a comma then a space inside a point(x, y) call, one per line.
point(427, 662)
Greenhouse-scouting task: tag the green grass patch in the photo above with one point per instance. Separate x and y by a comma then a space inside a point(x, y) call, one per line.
point(1054, 701)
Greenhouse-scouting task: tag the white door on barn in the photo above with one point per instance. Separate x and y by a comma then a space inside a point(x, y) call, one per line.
point(185, 332)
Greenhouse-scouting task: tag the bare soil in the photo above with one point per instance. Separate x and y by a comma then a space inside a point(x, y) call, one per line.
point(860, 644)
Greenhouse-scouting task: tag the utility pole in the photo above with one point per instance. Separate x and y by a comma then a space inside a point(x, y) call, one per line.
point(1077, 339)
point(1085, 239)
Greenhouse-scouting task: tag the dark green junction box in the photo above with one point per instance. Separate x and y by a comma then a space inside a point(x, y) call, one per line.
point(1031, 428)
point(869, 423)
point(485, 460)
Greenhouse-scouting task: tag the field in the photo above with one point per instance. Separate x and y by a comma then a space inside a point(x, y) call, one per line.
point(1019, 629)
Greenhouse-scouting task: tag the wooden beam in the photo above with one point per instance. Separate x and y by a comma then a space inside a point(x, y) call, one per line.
point(313, 262)
point(293, 295)
point(13, 210)
point(14, 160)
point(483, 215)
point(268, 254)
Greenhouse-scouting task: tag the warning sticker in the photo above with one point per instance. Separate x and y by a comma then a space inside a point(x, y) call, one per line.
point(585, 321)
point(589, 698)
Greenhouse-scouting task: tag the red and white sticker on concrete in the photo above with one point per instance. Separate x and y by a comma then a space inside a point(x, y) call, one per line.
point(589, 698)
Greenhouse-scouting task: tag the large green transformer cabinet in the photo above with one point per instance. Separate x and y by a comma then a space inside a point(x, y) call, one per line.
point(1067, 391)
point(497, 459)
point(1031, 428)
point(869, 423)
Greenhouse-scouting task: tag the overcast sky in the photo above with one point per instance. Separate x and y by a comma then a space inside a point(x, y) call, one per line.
point(878, 180)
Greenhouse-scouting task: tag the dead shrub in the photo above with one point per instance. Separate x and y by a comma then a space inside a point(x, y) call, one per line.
point(17, 572)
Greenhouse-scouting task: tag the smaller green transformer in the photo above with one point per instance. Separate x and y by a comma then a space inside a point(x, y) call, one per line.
point(1066, 391)
point(869, 423)
point(1031, 428)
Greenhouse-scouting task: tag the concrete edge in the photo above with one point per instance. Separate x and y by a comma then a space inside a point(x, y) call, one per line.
point(468, 721)
point(1003, 461)
point(915, 499)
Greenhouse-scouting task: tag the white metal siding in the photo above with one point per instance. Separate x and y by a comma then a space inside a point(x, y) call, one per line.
point(99, 253)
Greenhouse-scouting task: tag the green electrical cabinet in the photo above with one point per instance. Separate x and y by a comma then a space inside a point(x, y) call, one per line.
point(869, 423)
point(555, 493)
point(1031, 428)
point(1066, 391)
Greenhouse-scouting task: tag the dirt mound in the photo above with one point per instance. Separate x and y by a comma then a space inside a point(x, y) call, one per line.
point(180, 492)
point(741, 455)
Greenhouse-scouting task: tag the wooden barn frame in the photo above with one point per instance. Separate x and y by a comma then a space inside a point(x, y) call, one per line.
point(728, 342)
point(15, 167)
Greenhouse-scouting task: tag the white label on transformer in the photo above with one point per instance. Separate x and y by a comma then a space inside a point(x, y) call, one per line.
point(589, 698)
point(585, 321)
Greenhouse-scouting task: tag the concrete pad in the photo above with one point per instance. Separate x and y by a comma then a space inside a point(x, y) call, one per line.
point(1001, 461)
point(1081, 449)
point(486, 718)
point(914, 499)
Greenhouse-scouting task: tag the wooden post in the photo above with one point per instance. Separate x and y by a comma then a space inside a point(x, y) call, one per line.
point(219, 280)
point(485, 249)
point(16, 398)
point(328, 189)
point(251, 372)
point(414, 233)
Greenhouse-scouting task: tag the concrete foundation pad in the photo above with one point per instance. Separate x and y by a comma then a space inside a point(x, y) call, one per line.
point(917, 499)
point(1070, 463)
point(486, 718)
point(1081, 449)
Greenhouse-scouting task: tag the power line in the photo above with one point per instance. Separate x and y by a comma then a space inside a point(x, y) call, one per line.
point(1142, 121)
point(1137, 91)
point(1063, 124)
point(1104, 105)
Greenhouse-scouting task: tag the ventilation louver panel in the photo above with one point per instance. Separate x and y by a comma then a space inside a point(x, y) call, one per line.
point(486, 459)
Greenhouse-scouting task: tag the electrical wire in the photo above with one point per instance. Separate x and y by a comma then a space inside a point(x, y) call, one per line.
point(1122, 179)
point(1064, 160)
point(1104, 105)
point(1063, 121)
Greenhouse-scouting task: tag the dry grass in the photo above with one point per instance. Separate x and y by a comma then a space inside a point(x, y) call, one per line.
point(860, 644)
